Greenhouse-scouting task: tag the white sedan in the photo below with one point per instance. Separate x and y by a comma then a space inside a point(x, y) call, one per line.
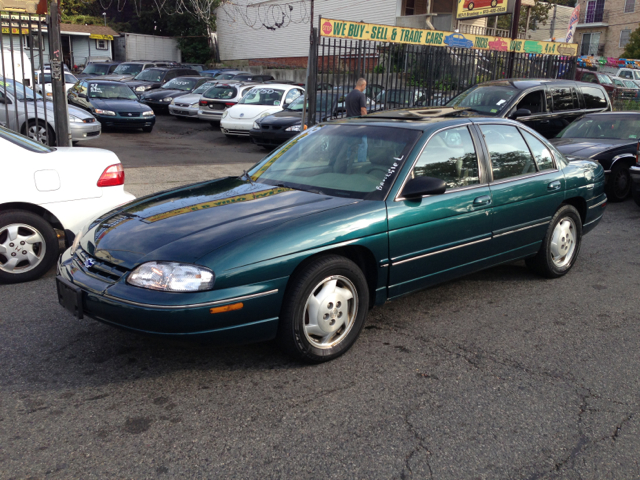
point(259, 102)
point(48, 200)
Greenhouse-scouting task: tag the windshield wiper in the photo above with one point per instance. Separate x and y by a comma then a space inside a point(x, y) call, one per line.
point(246, 177)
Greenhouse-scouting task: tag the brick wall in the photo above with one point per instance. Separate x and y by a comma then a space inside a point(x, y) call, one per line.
point(616, 20)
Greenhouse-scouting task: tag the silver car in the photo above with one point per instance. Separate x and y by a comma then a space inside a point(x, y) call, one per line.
point(19, 101)
point(218, 98)
point(188, 105)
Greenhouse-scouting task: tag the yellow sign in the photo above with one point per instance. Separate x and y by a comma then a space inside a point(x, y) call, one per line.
point(217, 203)
point(15, 31)
point(416, 36)
point(95, 36)
point(481, 8)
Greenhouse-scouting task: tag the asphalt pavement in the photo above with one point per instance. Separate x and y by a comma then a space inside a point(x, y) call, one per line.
point(499, 375)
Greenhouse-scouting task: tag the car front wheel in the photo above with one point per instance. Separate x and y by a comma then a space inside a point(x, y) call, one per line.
point(560, 246)
point(40, 131)
point(28, 246)
point(324, 310)
point(619, 183)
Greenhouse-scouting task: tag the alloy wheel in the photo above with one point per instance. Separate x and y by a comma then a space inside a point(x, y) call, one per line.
point(22, 248)
point(38, 133)
point(563, 242)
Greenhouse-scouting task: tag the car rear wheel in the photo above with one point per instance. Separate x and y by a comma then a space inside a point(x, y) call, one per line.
point(560, 246)
point(28, 246)
point(619, 183)
point(324, 310)
point(40, 131)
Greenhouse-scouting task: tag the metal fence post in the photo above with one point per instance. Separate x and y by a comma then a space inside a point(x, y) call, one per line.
point(60, 109)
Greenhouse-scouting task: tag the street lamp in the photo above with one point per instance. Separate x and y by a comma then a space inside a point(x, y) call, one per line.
point(104, 15)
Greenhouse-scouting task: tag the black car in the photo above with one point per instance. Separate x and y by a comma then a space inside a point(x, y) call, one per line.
point(112, 103)
point(198, 67)
point(98, 69)
point(156, 77)
point(276, 129)
point(249, 77)
point(161, 98)
point(547, 106)
point(128, 70)
point(611, 139)
point(635, 182)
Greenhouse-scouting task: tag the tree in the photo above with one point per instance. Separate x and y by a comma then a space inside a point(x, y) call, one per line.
point(539, 15)
point(632, 49)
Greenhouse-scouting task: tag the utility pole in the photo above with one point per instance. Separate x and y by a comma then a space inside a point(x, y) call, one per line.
point(515, 21)
point(60, 108)
point(311, 71)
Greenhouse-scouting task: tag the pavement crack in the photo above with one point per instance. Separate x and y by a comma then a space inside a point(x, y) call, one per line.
point(420, 447)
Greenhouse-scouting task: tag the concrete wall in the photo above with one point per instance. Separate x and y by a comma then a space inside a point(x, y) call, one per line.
point(135, 46)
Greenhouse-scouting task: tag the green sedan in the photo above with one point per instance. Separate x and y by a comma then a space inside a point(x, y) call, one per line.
point(345, 216)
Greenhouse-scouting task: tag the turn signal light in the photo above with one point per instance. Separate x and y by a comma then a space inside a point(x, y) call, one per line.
point(203, 103)
point(229, 104)
point(226, 308)
point(112, 176)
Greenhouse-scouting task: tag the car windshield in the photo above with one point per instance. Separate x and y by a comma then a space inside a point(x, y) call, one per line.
point(613, 127)
point(18, 90)
point(630, 84)
point(263, 96)
point(488, 99)
point(113, 91)
point(203, 88)
point(128, 69)
point(151, 75)
point(23, 141)
point(184, 84)
point(604, 79)
point(352, 161)
point(323, 103)
point(221, 93)
point(96, 69)
point(224, 76)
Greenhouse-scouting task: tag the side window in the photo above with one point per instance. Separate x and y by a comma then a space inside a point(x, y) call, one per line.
point(563, 99)
point(450, 156)
point(593, 97)
point(625, 74)
point(510, 156)
point(112, 68)
point(170, 75)
point(541, 153)
point(589, 78)
point(292, 95)
point(83, 88)
point(533, 102)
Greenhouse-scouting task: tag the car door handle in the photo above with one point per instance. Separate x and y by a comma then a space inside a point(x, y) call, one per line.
point(484, 200)
point(554, 185)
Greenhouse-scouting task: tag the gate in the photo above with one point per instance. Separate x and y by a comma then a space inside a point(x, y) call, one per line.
point(25, 96)
point(415, 68)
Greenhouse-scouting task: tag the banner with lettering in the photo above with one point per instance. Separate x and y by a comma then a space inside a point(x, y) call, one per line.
point(416, 36)
point(481, 8)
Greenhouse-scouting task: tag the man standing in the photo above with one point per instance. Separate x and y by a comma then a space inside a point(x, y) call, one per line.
point(356, 101)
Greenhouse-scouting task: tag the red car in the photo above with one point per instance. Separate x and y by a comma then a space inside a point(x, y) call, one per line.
point(499, 45)
point(471, 4)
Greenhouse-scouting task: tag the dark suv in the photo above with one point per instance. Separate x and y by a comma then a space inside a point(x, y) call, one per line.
point(156, 77)
point(98, 69)
point(547, 106)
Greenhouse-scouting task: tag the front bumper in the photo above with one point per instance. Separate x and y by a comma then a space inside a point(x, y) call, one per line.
point(81, 131)
point(271, 138)
point(232, 126)
point(179, 111)
point(127, 122)
point(109, 299)
point(156, 105)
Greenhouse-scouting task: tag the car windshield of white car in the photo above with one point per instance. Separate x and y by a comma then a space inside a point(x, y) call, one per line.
point(263, 96)
point(128, 69)
point(23, 141)
point(604, 79)
point(355, 161)
point(94, 69)
point(489, 99)
point(612, 127)
point(203, 88)
point(184, 84)
point(150, 75)
point(18, 90)
point(110, 91)
point(220, 93)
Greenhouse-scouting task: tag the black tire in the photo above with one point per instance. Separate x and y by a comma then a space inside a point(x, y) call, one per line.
point(147, 129)
point(47, 250)
point(619, 183)
point(50, 134)
point(543, 263)
point(294, 318)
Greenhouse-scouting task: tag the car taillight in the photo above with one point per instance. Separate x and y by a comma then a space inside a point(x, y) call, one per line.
point(229, 104)
point(112, 176)
point(203, 103)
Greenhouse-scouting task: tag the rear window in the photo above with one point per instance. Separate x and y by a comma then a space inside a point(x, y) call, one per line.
point(221, 93)
point(593, 97)
point(604, 79)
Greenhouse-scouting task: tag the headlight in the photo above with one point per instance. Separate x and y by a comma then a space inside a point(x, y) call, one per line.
point(294, 128)
point(172, 277)
point(256, 126)
point(194, 104)
point(73, 119)
point(105, 112)
point(167, 99)
point(141, 88)
point(148, 113)
point(225, 113)
point(264, 114)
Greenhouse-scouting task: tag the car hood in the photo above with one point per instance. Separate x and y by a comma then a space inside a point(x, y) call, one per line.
point(285, 117)
point(159, 93)
point(185, 224)
point(136, 83)
point(119, 105)
point(190, 98)
point(117, 78)
point(585, 148)
point(251, 112)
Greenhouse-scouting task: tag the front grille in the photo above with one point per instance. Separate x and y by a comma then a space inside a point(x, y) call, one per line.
point(183, 105)
point(98, 268)
point(129, 114)
point(271, 127)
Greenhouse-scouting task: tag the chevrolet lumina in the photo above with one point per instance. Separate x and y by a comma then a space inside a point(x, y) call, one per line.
point(344, 216)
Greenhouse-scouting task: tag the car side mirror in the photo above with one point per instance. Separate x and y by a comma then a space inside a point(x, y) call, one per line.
point(421, 186)
point(521, 112)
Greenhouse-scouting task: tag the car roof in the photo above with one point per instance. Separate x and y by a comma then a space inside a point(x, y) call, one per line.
point(524, 83)
point(193, 77)
point(281, 85)
point(103, 82)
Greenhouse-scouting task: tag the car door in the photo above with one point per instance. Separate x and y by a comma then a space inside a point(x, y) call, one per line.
point(526, 188)
point(540, 118)
point(565, 108)
point(441, 236)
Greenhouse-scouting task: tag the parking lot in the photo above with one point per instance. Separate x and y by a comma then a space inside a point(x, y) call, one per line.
point(499, 375)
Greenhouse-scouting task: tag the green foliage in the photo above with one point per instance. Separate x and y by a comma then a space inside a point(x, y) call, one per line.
point(539, 15)
point(632, 50)
point(378, 68)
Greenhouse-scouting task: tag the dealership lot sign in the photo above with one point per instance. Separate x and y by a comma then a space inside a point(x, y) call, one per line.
point(481, 8)
point(416, 36)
